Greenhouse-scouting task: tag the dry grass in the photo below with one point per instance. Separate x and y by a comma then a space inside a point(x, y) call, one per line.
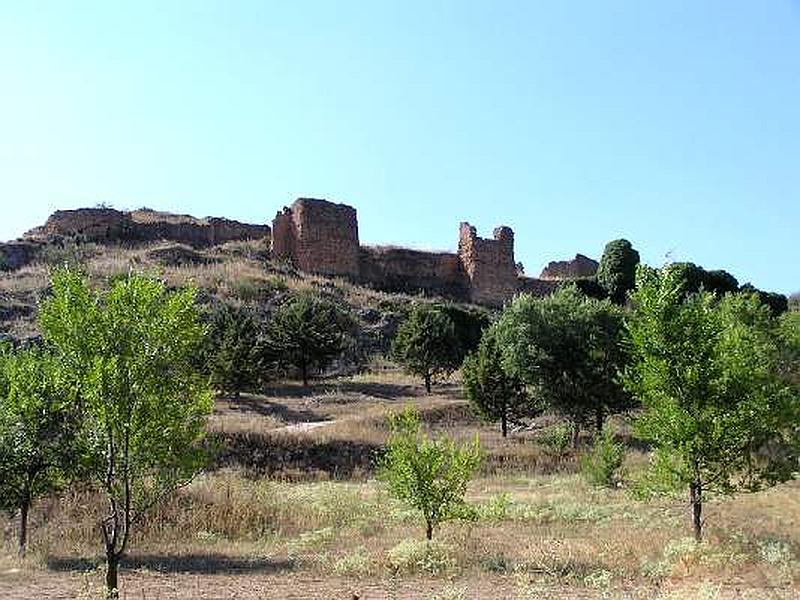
point(539, 531)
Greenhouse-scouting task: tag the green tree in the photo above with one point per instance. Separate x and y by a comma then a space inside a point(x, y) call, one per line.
point(145, 404)
point(38, 425)
point(707, 370)
point(566, 348)
point(426, 344)
point(429, 475)
point(308, 332)
point(469, 323)
point(617, 271)
point(495, 394)
point(233, 360)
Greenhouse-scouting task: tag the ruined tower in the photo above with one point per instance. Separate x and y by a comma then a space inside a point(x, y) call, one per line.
point(318, 237)
point(488, 264)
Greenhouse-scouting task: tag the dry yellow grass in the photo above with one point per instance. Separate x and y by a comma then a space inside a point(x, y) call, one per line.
point(309, 530)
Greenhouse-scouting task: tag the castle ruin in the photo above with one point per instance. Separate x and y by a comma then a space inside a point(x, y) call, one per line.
point(321, 237)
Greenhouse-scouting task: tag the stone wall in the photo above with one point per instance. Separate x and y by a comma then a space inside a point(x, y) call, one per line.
point(318, 237)
point(109, 225)
point(577, 268)
point(488, 264)
point(403, 270)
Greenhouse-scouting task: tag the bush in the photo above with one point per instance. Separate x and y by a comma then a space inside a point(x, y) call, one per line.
point(430, 476)
point(600, 467)
point(556, 439)
point(415, 556)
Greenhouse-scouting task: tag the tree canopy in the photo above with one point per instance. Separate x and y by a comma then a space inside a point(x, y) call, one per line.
point(616, 273)
point(426, 344)
point(566, 348)
point(145, 405)
point(707, 370)
point(493, 392)
point(308, 332)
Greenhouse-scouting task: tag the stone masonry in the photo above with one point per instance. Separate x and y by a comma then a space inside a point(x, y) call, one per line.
point(318, 236)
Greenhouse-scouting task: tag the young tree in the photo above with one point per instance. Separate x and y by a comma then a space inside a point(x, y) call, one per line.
point(308, 332)
point(38, 424)
point(495, 394)
point(426, 344)
point(145, 405)
point(429, 475)
point(617, 271)
point(566, 348)
point(233, 360)
point(707, 370)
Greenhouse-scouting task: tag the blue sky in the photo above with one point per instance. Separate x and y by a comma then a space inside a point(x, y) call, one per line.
point(675, 124)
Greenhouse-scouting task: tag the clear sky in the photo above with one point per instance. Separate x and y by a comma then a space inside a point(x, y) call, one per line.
point(674, 124)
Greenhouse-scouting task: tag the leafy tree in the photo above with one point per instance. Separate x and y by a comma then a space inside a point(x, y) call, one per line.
point(566, 348)
point(426, 344)
point(617, 271)
point(590, 287)
point(468, 324)
point(145, 404)
point(720, 282)
point(601, 465)
point(707, 371)
point(777, 303)
point(495, 394)
point(38, 424)
point(429, 475)
point(233, 361)
point(309, 332)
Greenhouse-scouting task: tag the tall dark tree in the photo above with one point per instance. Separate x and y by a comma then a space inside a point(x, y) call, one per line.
point(426, 344)
point(494, 393)
point(469, 324)
point(233, 360)
point(617, 271)
point(308, 332)
point(39, 421)
point(777, 303)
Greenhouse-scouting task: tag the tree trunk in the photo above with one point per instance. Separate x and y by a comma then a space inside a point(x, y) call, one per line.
point(427, 383)
point(23, 527)
point(304, 371)
point(696, 501)
point(504, 423)
point(428, 530)
point(112, 575)
point(576, 434)
point(599, 417)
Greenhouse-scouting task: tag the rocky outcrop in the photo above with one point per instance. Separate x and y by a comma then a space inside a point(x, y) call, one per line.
point(579, 267)
point(106, 225)
point(14, 255)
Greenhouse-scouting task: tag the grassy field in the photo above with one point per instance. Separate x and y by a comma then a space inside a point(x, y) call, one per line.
point(291, 509)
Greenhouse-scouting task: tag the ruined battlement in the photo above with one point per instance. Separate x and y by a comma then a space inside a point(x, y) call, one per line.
point(319, 236)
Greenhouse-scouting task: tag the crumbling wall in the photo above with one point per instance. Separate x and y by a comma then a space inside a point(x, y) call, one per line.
point(104, 225)
point(319, 237)
point(488, 264)
point(537, 287)
point(404, 270)
point(577, 268)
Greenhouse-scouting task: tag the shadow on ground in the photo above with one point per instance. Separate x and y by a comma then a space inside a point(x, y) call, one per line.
point(190, 563)
point(291, 456)
point(260, 406)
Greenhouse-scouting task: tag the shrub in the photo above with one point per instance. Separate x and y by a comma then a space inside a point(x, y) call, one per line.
point(415, 556)
point(600, 467)
point(431, 476)
point(556, 439)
